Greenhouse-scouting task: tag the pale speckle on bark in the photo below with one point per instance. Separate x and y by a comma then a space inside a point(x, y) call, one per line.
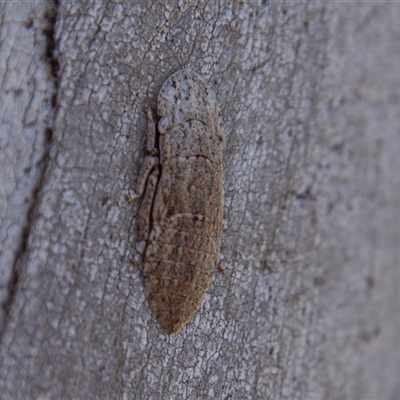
point(308, 307)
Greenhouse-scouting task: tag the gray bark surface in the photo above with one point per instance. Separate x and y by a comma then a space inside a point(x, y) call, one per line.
point(26, 115)
point(309, 304)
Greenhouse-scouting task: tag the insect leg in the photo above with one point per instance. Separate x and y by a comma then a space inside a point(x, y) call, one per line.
point(150, 162)
point(144, 217)
point(145, 212)
point(151, 133)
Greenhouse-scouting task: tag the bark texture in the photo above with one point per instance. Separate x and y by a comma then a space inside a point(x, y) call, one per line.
point(309, 304)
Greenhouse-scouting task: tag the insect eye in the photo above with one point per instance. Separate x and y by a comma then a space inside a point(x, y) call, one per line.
point(163, 125)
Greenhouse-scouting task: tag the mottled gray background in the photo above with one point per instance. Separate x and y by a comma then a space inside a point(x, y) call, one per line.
point(309, 305)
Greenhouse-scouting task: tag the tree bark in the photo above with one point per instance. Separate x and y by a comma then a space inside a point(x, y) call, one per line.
point(309, 306)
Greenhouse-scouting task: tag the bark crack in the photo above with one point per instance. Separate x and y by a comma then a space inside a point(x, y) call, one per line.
point(50, 16)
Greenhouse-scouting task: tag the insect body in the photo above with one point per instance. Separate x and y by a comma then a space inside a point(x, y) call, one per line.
point(180, 219)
